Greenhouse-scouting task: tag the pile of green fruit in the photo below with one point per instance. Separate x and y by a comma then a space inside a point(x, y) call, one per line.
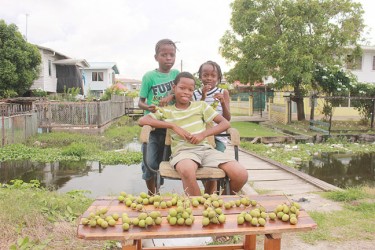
point(287, 213)
point(181, 215)
point(99, 218)
point(143, 220)
point(213, 215)
point(256, 217)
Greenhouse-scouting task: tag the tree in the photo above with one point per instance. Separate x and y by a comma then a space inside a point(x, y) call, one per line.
point(19, 61)
point(285, 39)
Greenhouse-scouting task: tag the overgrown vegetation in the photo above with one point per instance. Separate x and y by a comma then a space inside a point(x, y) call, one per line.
point(251, 129)
point(51, 147)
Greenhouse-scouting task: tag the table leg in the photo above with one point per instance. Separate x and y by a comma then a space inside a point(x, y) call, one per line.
point(272, 242)
point(250, 242)
point(132, 245)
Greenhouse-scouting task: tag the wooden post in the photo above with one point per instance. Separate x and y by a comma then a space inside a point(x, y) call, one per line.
point(373, 113)
point(250, 242)
point(272, 242)
point(251, 105)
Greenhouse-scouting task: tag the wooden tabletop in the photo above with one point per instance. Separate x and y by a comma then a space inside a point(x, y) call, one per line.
point(230, 227)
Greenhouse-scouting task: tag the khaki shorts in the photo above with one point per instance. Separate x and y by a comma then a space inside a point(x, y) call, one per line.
point(205, 156)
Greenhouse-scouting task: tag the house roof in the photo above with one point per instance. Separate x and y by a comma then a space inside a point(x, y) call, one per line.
point(82, 63)
point(104, 65)
point(51, 50)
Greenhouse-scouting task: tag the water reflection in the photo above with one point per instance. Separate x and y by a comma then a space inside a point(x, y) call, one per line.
point(343, 170)
point(100, 180)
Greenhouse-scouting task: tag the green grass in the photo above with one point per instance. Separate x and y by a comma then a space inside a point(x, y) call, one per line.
point(354, 223)
point(251, 129)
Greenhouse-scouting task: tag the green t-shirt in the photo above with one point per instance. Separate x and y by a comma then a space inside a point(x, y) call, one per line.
point(156, 85)
point(192, 119)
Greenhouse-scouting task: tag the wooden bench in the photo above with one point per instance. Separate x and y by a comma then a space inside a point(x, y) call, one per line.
point(132, 239)
point(320, 126)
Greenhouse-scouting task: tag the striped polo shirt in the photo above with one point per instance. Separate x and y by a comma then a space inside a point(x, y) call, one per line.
point(193, 119)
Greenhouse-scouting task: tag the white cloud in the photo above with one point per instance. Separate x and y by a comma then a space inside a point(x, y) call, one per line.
point(125, 31)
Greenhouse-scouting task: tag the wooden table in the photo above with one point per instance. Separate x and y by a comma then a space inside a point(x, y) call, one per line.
point(272, 230)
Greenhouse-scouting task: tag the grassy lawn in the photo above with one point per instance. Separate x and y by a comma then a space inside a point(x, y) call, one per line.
point(251, 129)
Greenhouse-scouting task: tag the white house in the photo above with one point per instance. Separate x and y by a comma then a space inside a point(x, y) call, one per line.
point(364, 66)
point(58, 71)
point(99, 76)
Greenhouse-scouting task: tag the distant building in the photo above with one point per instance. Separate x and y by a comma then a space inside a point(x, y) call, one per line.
point(99, 76)
point(363, 66)
point(130, 84)
point(58, 71)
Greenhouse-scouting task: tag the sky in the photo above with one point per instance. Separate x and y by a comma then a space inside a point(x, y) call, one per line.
point(126, 31)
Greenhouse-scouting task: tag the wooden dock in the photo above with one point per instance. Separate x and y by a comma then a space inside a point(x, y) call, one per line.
point(275, 178)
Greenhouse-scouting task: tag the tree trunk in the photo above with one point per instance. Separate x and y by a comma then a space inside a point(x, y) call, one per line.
point(298, 98)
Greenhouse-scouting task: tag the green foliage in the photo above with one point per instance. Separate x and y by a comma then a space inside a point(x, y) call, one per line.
point(350, 194)
point(332, 81)
point(77, 149)
point(39, 93)
point(286, 39)
point(364, 106)
point(19, 61)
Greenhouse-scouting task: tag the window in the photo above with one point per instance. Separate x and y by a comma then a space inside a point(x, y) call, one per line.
point(49, 67)
point(97, 76)
point(354, 62)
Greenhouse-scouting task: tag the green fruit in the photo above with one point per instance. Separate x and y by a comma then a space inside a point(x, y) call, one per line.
point(240, 220)
point(158, 220)
point(205, 221)
point(125, 226)
point(112, 222)
point(221, 218)
point(92, 223)
point(262, 222)
point(272, 216)
point(254, 222)
point(104, 224)
point(115, 216)
point(254, 202)
point(180, 221)
point(149, 221)
point(285, 217)
point(172, 212)
point(85, 221)
point(188, 221)
point(143, 195)
point(293, 220)
point(248, 217)
point(173, 221)
point(142, 223)
point(135, 221)
point(121, 198)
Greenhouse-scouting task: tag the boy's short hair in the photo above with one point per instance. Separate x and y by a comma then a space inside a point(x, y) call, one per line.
point(185, 75)
point(164, 42)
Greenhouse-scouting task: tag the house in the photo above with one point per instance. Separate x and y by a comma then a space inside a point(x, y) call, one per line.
point(363, 66)
point(99, 76)
point(130, 84)
point(58, 71)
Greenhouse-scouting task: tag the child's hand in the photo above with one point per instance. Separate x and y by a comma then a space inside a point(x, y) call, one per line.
point(220, 97)
point(197, 138)
point(164, 101)
point(182, 132)
point(205, 89)
point(152, 108)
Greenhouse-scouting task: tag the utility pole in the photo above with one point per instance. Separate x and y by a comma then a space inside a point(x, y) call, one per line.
point(27, 15)
point(181, 66)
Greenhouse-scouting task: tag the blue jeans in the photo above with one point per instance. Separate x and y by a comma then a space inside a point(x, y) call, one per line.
point(220, 145)
point(155, 148)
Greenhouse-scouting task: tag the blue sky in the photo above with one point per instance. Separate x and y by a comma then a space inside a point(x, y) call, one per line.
point(125, 31)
